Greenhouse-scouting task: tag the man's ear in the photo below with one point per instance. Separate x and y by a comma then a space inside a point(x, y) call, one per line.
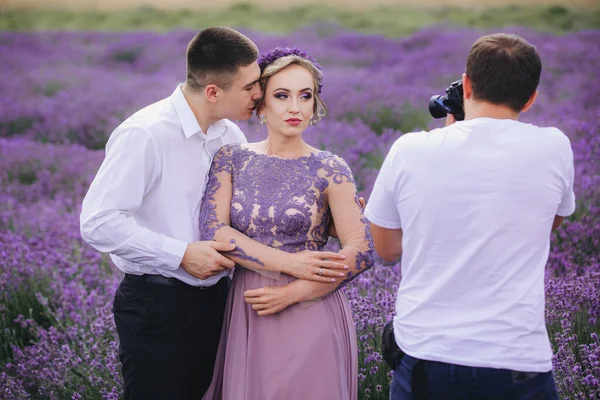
point(467, 86)
point(530, 101)
point(212, 92)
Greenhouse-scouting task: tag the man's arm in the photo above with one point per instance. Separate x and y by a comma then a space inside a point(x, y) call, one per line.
point(129, 170)
point(388, 242)
point(557, 221)
point(567, 204)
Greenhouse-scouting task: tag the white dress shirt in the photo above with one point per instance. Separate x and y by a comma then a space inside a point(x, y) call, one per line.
point(143, 206)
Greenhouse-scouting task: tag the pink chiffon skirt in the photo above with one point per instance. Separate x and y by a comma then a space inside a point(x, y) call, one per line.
point(306, 352)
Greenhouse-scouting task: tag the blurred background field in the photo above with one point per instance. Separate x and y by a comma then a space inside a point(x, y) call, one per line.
point(73, 70)
point(390, 20)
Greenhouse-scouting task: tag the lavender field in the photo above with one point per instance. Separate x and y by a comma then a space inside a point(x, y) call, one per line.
point(62, 93)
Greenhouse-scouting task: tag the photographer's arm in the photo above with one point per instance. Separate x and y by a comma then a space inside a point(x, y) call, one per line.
point(567, 205)
point(558, 220)
point(388, 242)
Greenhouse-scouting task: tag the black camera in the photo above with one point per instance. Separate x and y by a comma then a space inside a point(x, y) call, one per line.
point(450, 103)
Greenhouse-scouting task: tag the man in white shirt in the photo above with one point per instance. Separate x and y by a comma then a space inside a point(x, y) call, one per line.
point(143, 208)
point(469, 208)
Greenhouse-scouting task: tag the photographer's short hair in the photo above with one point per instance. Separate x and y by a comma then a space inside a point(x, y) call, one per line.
point(214, 56)
point(504, 69)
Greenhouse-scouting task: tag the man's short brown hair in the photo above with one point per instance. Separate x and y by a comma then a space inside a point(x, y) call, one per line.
point(504, 69)
point(214, 56)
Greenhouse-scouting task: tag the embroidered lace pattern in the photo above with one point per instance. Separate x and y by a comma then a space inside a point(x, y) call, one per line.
point(282, 203)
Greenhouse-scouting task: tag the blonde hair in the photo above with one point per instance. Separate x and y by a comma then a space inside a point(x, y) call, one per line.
point(319, 108)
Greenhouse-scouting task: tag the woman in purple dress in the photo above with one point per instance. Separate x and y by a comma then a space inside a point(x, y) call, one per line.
point(285, 338)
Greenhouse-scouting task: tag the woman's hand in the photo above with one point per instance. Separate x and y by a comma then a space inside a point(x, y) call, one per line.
point(270, 300)
point(316, 266)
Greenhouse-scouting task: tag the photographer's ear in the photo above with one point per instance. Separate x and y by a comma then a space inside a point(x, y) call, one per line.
point(467, 87)
point(530, 102)
point(211, 92)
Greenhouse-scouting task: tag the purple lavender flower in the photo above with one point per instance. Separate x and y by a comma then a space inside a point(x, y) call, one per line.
point(68, 90)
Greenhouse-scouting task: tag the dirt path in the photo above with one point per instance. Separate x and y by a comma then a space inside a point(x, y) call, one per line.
point(219, 4)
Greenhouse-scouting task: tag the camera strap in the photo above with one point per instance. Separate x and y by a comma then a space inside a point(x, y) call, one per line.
point(419, 381)
point(392, 354)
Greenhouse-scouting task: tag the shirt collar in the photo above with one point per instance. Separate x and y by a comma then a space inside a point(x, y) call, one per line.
point(188, 120)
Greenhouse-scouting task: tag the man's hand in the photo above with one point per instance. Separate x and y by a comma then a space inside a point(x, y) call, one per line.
point(315, 266)
point(450, 119)
point(202, 259)
point(361, 200)
point(332, 231)
point(269, 300)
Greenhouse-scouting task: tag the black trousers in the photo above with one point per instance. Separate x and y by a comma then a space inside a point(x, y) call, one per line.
point(168, 337)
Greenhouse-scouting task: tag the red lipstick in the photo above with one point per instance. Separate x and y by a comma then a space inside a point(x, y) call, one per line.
point(293, 121)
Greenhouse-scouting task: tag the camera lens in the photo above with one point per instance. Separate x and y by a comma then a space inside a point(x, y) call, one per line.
point(435, 108)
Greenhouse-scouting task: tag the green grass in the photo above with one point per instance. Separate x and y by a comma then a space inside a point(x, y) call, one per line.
point(388, 21)
point(22, 301)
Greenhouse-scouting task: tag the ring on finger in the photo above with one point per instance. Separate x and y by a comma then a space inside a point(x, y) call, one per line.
point(320, 271)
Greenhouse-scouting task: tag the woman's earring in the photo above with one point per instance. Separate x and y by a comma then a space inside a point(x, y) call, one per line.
point(311, 121)
point(262, 120)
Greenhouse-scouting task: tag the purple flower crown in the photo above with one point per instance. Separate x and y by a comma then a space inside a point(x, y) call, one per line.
point(278, 52)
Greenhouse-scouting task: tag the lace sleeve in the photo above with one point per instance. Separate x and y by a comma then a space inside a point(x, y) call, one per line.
point(214, 212)
point(352, 227)
point(351, 224)
point(215, 219)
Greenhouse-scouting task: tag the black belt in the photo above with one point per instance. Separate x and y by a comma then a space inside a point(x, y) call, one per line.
point(163, 280)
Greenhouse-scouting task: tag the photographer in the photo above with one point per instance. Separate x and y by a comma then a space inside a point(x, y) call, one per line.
point(470, 207)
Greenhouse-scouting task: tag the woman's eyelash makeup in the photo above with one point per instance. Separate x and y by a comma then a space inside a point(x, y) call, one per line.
point(306, 96)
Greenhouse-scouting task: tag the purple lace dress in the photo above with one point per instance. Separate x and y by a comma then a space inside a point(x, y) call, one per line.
point(309, 350)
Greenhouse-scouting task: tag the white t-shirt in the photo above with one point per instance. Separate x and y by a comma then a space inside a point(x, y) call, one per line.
point(476, 202)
